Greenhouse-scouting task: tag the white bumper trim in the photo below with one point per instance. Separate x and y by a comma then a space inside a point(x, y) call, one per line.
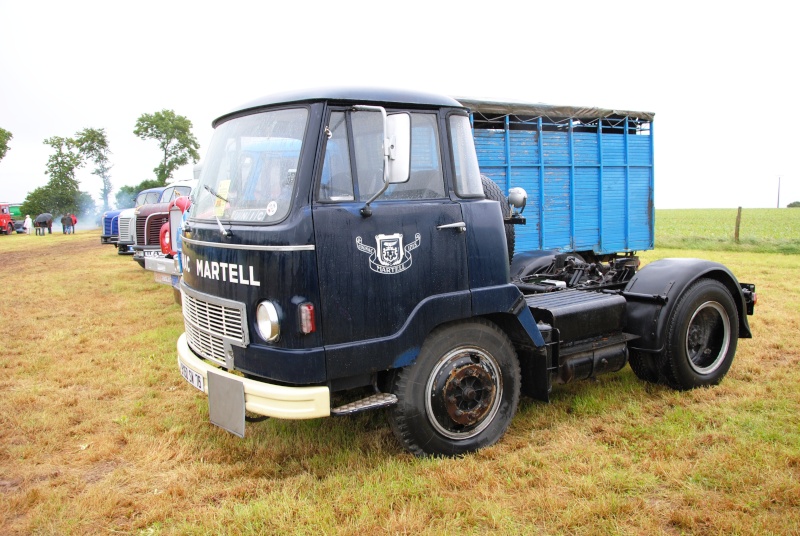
point(264, 398)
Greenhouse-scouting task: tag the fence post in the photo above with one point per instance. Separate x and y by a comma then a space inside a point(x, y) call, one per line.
point(738, 223)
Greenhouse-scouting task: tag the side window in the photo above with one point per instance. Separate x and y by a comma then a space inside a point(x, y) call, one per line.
point(465, 159)
point(337, 180)
point(368, 145)
point(426, 181)
point(336, 184)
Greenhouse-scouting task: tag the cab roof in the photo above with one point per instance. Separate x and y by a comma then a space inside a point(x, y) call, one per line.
point(359, 95)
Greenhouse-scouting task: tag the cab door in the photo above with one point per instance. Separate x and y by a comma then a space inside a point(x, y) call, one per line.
point(383, 276)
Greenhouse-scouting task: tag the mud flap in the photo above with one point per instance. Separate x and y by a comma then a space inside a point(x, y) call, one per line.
point(226, 403)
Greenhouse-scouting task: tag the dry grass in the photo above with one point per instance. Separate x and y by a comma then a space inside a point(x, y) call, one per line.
point(99, 434)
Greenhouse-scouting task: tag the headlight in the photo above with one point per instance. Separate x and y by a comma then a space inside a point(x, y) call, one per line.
point(267, 321)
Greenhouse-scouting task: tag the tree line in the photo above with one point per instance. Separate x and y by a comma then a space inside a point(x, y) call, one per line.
point(90, 146)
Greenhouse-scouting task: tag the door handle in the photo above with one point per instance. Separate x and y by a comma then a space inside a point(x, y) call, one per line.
point(458, 226)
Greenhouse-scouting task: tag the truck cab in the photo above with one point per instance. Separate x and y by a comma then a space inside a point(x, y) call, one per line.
point(148, 219)
point(341, 254)
point(6, 219)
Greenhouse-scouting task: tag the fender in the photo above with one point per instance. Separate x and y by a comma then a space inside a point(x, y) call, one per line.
point(654, 291)
point(507, 301)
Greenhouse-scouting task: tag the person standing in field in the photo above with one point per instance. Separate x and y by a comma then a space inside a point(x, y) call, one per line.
point(27, 224)
point(74, 221)
point(66, 222)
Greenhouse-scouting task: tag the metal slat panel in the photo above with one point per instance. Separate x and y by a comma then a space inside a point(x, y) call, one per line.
point(209, 324)
point(597, 184)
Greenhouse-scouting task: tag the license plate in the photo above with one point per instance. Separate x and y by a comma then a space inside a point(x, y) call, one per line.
point(192, 377)
point(163, 278)
point(152, 253)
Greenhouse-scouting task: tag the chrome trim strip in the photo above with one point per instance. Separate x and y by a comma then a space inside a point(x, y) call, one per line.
point(309, 247)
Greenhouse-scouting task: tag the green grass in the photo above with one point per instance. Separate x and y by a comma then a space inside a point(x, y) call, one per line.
point(762, 230)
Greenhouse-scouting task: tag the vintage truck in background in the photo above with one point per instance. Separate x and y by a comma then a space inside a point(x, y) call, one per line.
point(148, 219)
point(6, 219)
point(110, 230)
point(343, 253)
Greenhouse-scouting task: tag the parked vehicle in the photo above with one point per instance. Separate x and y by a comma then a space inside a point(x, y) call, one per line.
point(15, 209)
point(343, 253)
point(110, 233)
point(168, 267)
point(148, 220)
point(6, 220)
point(127, 225)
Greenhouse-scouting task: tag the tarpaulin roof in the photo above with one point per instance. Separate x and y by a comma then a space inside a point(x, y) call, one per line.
point(548, 110)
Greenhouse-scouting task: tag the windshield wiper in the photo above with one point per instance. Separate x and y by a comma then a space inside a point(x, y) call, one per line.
point(225, 233)
point(215, 194)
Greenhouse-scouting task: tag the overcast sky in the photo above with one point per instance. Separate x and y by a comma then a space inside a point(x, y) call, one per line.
point(721, 77)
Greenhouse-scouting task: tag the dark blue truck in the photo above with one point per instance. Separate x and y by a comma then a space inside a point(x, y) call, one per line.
point(353, 249)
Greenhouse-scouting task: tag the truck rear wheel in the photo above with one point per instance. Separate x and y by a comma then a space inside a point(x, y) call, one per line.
point(702, 336)
point(492, 191)
point(461, 393)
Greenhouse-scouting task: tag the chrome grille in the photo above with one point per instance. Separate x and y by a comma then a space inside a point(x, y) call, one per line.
point(125, 228)
point(140, 221)
point(210, 322)
point(154, 224)
point(205, 344)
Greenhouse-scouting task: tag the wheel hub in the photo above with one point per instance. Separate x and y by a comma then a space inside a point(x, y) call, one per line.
point(468, 392)
point(708, 337)
point(464, 393)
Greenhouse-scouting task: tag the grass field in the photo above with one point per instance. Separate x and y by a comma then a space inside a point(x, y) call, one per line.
point(761, 230)
point(99, 434)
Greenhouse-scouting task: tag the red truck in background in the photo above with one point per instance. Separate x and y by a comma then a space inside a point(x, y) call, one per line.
point(6, 221)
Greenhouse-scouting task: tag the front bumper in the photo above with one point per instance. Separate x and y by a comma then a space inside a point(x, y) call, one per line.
point(165, 270)
point(264, 398)
point(161, 264)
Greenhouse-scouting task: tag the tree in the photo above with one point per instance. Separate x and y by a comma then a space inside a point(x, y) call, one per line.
point(175, 139)
point(93, 145)
point(63, 187)
point(37, 201)
point(5, 137)
point(86, 205)
point(125, 196)
point(794, 204)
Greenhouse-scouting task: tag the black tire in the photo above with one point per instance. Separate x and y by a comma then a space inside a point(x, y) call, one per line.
point(10, 229)
point(703, 331)
point(461, 393)
point(492, 191)
point(643, 366)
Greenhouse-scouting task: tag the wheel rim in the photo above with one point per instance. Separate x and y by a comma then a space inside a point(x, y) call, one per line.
point(464, 392)
point(708, 337)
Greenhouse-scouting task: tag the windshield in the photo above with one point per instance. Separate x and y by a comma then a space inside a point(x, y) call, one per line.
point(173, 192)
point(248, 174)
point(147, 198)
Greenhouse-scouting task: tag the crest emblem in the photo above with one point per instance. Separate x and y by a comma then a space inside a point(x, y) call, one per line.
point(390, 249)
point(390, 256)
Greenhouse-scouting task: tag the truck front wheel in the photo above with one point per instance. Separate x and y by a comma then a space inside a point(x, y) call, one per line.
point(461, 393)
point(702, 336)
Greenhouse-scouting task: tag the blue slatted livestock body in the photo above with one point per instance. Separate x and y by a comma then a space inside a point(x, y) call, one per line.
point(588, 174)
